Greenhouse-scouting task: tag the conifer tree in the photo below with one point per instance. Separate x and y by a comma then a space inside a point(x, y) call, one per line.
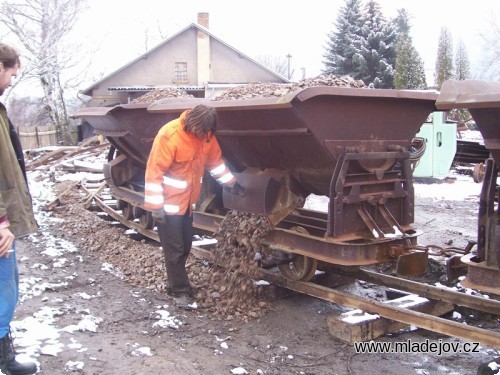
point(375, 61)
point(462, 64)
point(345, 41)
point(444, 59)
point(409, 71)
point(462, 72)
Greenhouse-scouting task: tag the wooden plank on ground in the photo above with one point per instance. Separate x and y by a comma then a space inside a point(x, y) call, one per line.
point(357, 325)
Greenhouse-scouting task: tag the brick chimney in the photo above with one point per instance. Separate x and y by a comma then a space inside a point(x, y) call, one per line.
point(203, 20)
point(203, 51)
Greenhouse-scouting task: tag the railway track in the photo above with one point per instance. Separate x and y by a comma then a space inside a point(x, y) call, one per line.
point(98, 195)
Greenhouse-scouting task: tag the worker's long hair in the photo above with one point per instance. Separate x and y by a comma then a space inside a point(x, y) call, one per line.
point(200, 121)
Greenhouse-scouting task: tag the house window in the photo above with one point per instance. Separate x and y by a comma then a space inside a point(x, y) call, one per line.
point(180, 73)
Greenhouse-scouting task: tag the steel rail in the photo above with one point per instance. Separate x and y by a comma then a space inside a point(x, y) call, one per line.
point(119, 217)
point(422, 320)
point(410, 317)
point(426, 290)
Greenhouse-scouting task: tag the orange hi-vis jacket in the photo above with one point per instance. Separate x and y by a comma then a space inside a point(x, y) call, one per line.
point(176, 165)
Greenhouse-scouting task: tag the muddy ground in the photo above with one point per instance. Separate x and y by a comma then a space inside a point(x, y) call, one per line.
point(101, 323)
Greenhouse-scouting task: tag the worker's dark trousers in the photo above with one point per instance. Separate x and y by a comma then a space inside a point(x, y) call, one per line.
point(176, 237)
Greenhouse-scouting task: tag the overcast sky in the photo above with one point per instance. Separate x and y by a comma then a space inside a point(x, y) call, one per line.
point(118, 28)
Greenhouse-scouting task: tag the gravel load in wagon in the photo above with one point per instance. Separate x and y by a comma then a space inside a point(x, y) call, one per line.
point(349, 144)
point(302, 134)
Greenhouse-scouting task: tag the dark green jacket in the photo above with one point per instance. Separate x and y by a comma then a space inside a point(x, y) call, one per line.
point(15, 199)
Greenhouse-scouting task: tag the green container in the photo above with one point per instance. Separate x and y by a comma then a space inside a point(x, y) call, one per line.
point(441, 145)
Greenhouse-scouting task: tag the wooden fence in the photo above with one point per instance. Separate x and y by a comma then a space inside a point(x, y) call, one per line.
point(38, 136)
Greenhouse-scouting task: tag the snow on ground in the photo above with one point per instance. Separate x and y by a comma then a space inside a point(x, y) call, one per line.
point(40, 333)
point(471, 135)
point(461, 188)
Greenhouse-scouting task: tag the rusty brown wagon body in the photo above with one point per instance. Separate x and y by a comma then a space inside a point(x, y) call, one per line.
point(351, 145)
point(482, 99)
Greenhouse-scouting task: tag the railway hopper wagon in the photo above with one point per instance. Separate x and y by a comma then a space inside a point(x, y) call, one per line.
point(354, 146)
point(482, 99)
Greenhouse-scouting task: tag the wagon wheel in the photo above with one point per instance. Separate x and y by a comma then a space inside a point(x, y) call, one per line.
point(146, 220)
point(478, 174)
point(300, 267)
point(145, 217)
point(127, 209)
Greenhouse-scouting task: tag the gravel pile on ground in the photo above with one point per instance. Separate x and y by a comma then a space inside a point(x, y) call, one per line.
point(158, 94)
point(224, 288)
point(229, 289)
point(137, 260)
point(267, 90)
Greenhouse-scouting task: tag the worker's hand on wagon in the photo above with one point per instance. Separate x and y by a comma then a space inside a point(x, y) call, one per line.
point(159, 215)
point(236, 189)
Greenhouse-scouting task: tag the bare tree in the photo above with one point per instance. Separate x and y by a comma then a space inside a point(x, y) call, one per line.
point(27, 111)
point(275, 63)
point(157, 35)
point(491, 40)
point(42, 27)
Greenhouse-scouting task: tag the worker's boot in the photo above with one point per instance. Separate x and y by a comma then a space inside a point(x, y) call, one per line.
point(8, 363)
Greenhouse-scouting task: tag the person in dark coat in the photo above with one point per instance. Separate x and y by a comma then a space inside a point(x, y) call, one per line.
point(16, 217)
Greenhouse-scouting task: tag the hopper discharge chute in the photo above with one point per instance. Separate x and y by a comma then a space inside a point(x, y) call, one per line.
point(267, 192)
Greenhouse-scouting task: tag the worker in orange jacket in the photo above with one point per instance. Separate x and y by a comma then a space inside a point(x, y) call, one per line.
point(182, 150)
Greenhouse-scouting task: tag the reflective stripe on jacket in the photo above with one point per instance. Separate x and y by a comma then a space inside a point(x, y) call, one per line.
point(175, 168)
